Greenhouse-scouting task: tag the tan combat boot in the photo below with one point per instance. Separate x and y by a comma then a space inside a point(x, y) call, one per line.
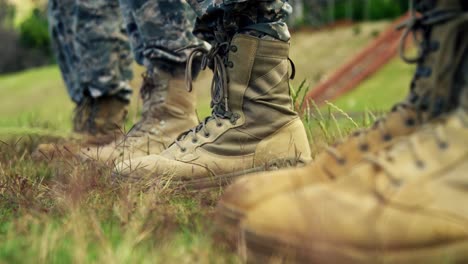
point(404, 205)
point(439, 59)
point(100, 121)
point(253, 126)
point(168, 110)
point(96, 122)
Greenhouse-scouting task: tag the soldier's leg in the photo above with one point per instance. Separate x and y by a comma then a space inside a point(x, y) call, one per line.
point(103, 47)
point(60, 15)
point(103, 69)
point(94, 57)
point(157, 30)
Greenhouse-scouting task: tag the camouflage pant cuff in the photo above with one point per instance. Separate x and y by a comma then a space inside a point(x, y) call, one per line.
point(177, 69)
point(122, 91)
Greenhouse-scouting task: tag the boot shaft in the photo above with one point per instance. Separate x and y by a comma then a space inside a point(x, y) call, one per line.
point(164, 93)
point(258, 94)
point(259, 91)
point(253, 122)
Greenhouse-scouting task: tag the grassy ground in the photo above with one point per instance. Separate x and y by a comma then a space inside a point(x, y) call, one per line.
point(61, 211)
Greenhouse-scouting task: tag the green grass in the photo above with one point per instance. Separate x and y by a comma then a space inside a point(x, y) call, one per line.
point(34, 100)
point(71, 213)
point(64, 211)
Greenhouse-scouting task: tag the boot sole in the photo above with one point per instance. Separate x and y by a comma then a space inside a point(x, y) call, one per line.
point(257, 248)
point(219, 181)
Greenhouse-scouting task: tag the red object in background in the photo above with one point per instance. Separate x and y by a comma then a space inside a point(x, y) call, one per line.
point(367, 62)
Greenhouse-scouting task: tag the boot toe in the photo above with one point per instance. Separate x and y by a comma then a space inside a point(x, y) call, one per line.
point(325, 224)
point(252, 190)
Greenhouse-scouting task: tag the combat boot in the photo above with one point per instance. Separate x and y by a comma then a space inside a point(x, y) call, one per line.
point(433, 91)
point(402, 205)
point(168, 110)
point(100, 121)
point(253, 126)
point(96, 122)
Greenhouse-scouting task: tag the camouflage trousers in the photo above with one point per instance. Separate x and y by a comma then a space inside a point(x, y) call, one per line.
point(162, 25)
point(92, 46)
point(157, 29)
point(92, 41)
point(219, 20)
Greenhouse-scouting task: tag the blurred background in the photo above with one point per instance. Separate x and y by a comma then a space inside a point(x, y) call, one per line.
point(24, 34)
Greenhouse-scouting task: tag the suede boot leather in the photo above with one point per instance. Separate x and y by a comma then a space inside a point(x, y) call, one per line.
point(403, 205)
point(168, 110)
point(440, 74)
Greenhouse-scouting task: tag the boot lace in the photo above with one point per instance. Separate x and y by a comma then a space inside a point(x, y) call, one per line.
point(379, 125)
point(386, 162)
point(420, 25)
point(216, 59)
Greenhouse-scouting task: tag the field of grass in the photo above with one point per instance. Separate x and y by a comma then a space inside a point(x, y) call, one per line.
point(62, 211)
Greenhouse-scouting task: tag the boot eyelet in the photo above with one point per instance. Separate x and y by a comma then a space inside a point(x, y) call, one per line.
point(387, 137)
point(420, 164)
point(234, 48)
point(207, 135)
point(341, 161)
point(410, 122)
point(443, 145)
point(364, 147)
point(183, 150)
point(230, 64)
point(219, 124)
point(234, 118)
point(194, 141)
